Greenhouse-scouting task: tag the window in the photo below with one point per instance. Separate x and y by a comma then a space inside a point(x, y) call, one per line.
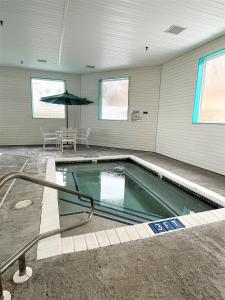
point(210, 90)
point(113, 99)
point(47, 87)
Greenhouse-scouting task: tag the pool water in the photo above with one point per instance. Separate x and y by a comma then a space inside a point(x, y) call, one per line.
point(125, 192)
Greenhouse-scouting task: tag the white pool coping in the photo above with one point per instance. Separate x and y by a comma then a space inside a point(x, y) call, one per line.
point(56, 245)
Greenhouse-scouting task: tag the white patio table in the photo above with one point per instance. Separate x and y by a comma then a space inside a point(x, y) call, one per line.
point(66, 131)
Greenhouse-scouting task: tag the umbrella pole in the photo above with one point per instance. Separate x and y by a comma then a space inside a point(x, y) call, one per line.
point(67, 120)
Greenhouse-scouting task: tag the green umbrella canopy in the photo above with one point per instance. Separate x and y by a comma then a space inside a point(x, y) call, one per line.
point(66, 99)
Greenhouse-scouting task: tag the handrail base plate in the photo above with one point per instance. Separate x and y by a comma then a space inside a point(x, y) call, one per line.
point(21, 279)
point(7, 295)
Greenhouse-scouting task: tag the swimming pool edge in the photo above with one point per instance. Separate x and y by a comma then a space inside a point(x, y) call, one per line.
point(56, 245)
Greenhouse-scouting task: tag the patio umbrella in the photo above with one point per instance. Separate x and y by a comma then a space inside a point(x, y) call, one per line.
point(66, 99)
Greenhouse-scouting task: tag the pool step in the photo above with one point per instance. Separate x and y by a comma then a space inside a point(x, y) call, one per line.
point(108, 210)
point(112, 213)
point(103, 215)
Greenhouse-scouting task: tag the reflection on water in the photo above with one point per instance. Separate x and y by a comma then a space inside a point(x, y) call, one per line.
point(112, 188)
point(61, 177)
point(127, 187)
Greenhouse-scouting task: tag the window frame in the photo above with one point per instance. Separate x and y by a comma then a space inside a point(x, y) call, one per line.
point(199, 87)
point(31, 91)
point(100, 98)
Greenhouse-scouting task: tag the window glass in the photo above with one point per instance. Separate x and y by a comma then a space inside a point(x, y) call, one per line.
point(210, 92)
point(47, 87)
point(113, 99)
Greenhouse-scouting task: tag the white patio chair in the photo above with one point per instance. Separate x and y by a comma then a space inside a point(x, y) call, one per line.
point(84, 136)
point(68, 138)
point(48, 137)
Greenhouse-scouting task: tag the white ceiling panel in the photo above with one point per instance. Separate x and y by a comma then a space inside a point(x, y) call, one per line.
point(109, 34)
point(31, 31)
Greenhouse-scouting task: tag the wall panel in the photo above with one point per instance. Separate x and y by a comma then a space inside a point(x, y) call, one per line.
point(143, 96)
point(16, 124)
point(202, 145)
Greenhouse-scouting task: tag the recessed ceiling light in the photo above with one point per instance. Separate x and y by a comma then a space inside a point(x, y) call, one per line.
point(90, 67)
point(42, 60)
point(175, 29)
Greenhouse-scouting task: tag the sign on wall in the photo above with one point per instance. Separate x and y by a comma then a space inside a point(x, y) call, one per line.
point(136, 115)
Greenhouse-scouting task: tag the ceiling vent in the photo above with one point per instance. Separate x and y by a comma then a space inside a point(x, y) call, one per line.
point(42, 60)
point(174, 29)
point(90, 67)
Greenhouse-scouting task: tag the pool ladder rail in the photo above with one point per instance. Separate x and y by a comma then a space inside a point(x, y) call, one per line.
point(24, 272)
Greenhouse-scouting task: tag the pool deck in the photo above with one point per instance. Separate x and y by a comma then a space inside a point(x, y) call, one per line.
point(187, 264)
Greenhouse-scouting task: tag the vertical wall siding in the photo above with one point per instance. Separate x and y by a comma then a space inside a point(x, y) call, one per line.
point(16, 124)
point(143, 95)
point(202, 145)
point(197, 144)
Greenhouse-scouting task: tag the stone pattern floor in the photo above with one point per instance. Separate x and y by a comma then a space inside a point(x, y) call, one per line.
point(185, 265)
point(9, 163)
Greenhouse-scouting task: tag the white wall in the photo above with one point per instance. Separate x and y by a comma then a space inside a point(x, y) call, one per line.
point(16, 124)
point(143, 95)
point(197, 144)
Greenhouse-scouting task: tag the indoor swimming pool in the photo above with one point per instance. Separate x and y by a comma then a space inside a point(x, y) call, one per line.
point(125, 192)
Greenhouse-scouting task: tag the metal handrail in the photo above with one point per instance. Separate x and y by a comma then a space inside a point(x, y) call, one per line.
point(20, 254)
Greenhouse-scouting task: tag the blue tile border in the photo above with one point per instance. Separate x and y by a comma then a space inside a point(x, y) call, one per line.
point(167, 225)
